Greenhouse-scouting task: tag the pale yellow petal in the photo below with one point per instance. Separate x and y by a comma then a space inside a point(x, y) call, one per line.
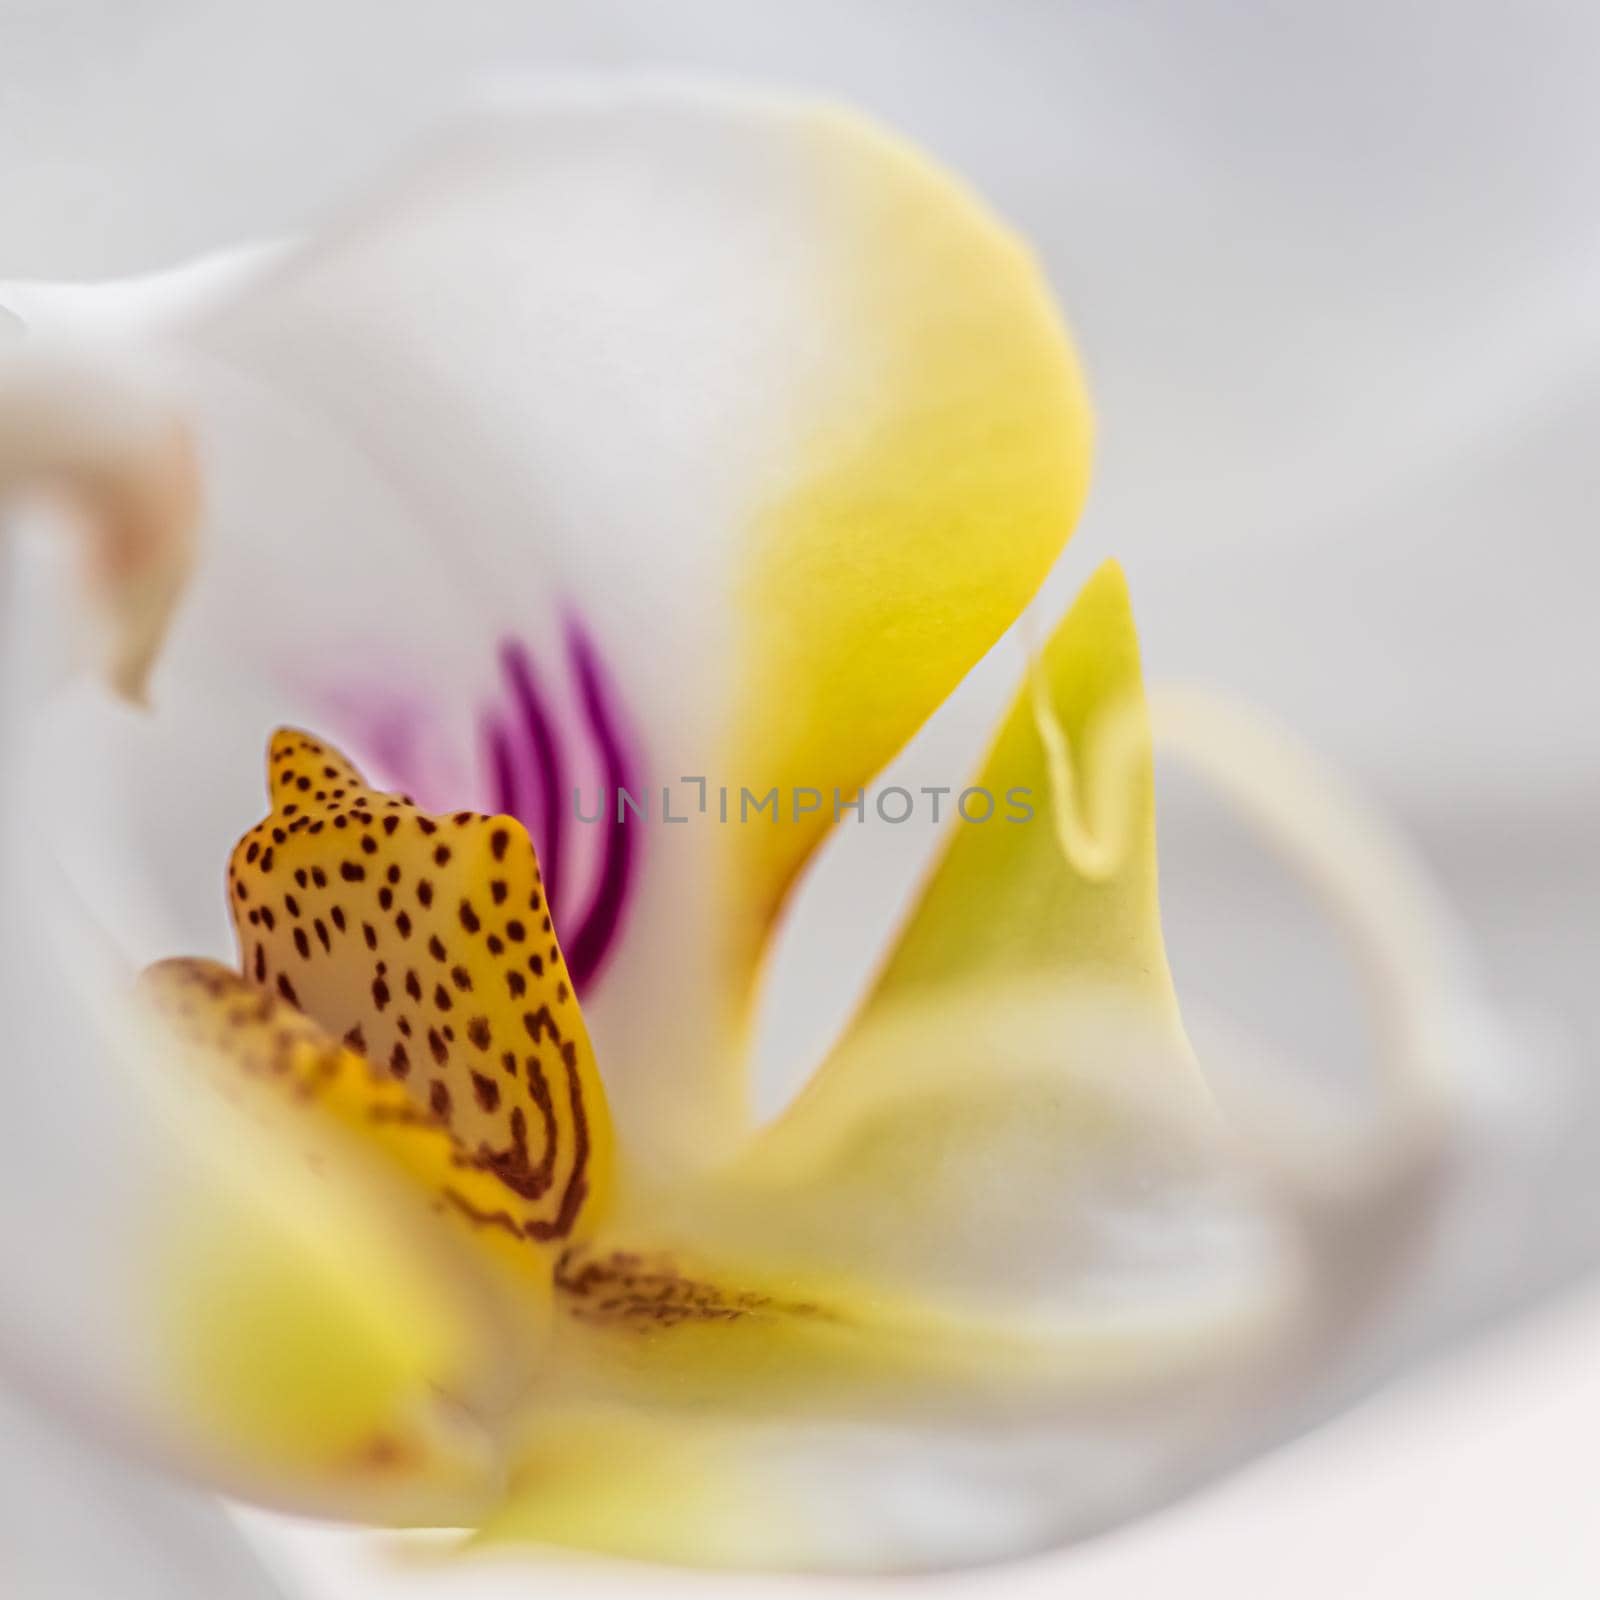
point(934, 490)
point(326, 1333)
point(1061, 880)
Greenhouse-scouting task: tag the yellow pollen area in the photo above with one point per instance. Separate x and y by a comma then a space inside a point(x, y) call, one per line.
point(422, 948)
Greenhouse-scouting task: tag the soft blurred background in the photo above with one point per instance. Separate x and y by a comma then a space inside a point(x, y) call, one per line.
point(1333, 271)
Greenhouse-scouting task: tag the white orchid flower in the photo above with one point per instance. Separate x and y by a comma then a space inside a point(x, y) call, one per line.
point(695, 447)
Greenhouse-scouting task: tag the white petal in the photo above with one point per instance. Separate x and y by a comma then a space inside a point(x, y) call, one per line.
point(768, 409)
point(78, 1525)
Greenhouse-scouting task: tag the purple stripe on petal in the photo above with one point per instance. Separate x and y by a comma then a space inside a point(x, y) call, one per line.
point(597, 932)
point(502, 767)
point(548, 767)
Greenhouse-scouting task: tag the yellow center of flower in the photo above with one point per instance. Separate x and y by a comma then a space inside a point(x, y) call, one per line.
point(424, 944)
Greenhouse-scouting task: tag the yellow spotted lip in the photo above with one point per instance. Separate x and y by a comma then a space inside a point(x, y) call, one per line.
point(425, 945)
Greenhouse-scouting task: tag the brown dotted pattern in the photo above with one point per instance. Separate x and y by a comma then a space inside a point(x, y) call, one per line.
point(288, 1072)
point(646, 1293)
point(425, 942)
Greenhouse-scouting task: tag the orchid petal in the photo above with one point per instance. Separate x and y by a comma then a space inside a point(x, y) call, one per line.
point(1036, 1167)
point(1022, 1249)
point(125, 466)
point(1032, 958)
point(327, 1332)
point(791, 480)
point(75, 1524)
point(1068, 889)
point(313, 1341)
point(1007, 1196)
point(849, 1496)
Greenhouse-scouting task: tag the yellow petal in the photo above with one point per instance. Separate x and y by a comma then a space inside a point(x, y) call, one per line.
point(321, 1096)
point(332, 1336)
point(424, 943)
point(311, 1357)
point(1069, 892)
point(929, 502)
point(1012, 1235)
point(971, 1132)
point(673, 1489)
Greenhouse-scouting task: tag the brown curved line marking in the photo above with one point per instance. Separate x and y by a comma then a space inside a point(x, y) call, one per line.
point(481, 1218)
point(539, 1088)
point(577, 1188)
point(512, 1166)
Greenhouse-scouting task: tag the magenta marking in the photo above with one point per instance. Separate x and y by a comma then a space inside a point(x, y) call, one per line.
point(597, 932)
point(545, 755)
point(502, 766)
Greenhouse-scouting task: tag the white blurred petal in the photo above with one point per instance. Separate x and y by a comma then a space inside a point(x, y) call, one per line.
point(79, 1525)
